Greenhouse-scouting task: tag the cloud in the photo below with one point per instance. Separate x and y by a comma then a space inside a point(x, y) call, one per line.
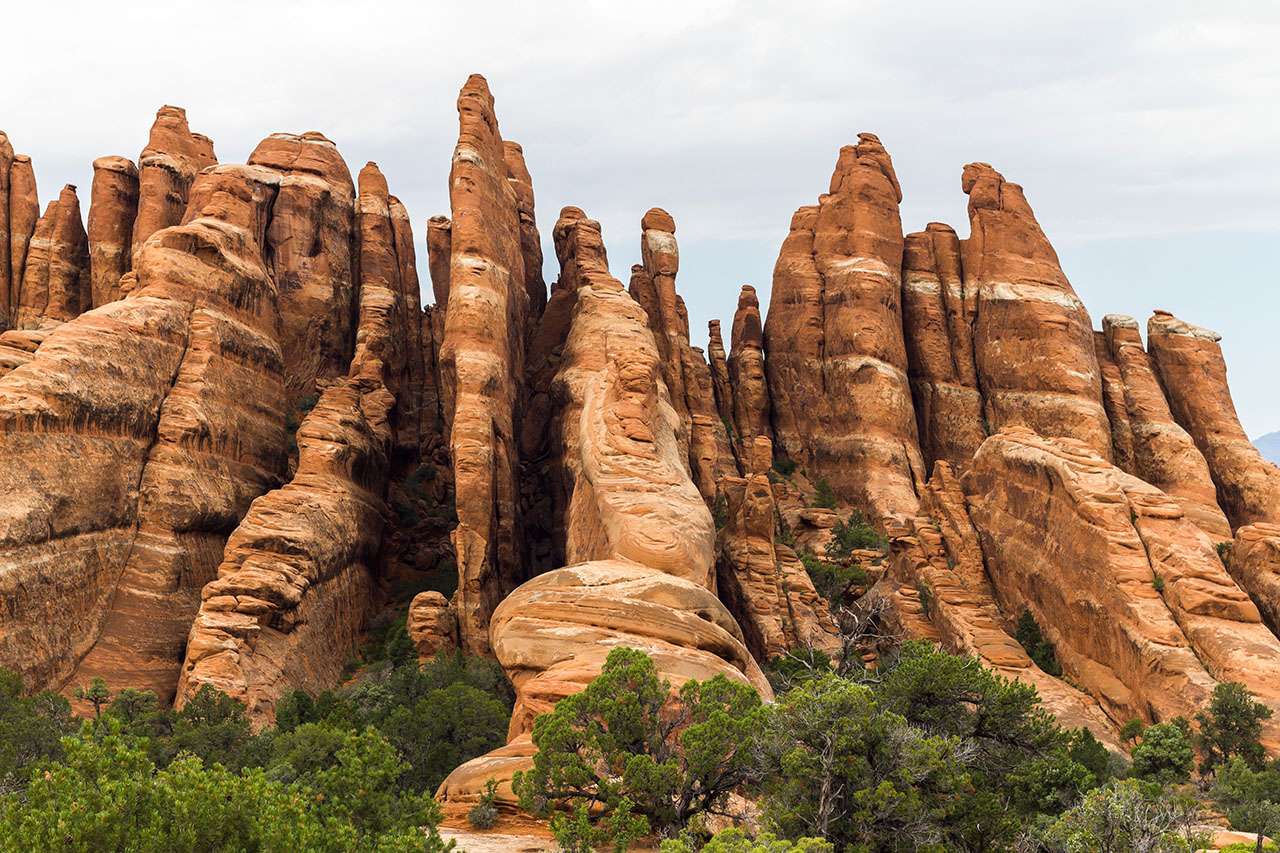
point(1134, 127)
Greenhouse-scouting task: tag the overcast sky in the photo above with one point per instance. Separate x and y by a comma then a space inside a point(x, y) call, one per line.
point(1146, 135)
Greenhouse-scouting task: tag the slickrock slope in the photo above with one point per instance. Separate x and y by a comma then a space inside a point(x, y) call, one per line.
point(113, 207)
point(312, 254)
point(1080, 543)
point(55, 282)
point(1033, 341)
point(836, 360)
point(1194, 375)
point(121, 487)
point(640, 537)
point(942, 551)
point(481, 360)
point(1163, 453)
point(937, 319)
point(167, 168)
point(295, 587)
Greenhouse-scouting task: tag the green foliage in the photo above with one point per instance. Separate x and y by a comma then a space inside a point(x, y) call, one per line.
point(853, 535)
point(783, 464)
point(1231, 726)
point(783, 532)
point(293, 420)
point(1248, 847)
point(824, 496)
point(109, 796)
point(1158, 584)
point(832, 580)
point(649, 760)
point(96, 692)
point(1249, 796)
point(31, 729)
point(986, 427)
point(1165, 754)
point(1032, 640)
point(484, 814)
point(1224, 550)
point(1132, 730)
point(1121, 817)
point(925, 592)
point(1086, 751)
point(720, 511)
point(737, 841)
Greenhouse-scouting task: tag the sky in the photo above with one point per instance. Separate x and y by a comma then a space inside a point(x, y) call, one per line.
point(1146, 135)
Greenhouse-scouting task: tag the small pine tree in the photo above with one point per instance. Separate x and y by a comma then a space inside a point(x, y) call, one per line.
point(1231, 726)
point(96, 693)
point(825, 496)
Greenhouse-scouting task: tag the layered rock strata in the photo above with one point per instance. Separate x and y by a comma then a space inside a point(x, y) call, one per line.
point(1162, 453)
point(836, 359)
point(123, 486)
point(1194, 374)
point(481, 363)
point(1032, 338)
point(937, 319)
point(1130, 592)
point(113, 207)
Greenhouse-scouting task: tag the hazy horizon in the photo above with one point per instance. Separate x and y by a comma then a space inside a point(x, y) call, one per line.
point(1145, 141)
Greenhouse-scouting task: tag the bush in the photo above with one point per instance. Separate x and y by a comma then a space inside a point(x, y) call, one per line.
point(1165, 754)
point(651, 761)
point(1039, 649)
point(824, 496)
point(720, 511)
point(484, 814)
point(737, 841)
point(783, 464)
point(853, 535)
point(926, 597)
point(1231, 727)
point(831, 580)
point(1119, 818)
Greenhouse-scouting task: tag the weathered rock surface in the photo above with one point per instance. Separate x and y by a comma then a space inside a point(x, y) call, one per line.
point(836, 359)
point(775, 604)
point(6, 163)
point(167, 168)
point(1081, 544)
point(747, 377)
point(113, 207)
point(55, 283)
point(1254, 562)
point(937, 321)
point(1163, 453)
point(481, 362)
point(1113, 400)
point(24, 211)
point(1194, 375)
point(432, 625)
point(122, 485)
point(1033, 340)
point(311, 247)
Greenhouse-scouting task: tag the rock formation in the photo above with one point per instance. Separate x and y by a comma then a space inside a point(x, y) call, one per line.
point(112, 209)
point(24, 211)
point(1254, 563)
point(55, 282)
point(1162, 452)
point(1194, 375)
point(481, 358)
point(6, 163)
point(938, 322)
point(1033, 341)
point(747, 377)
point(166, 169)
point(1131, 593)
point(835, 355)
point(312, 254)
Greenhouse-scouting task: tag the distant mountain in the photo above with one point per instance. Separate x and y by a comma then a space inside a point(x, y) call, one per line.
point(1269, 446)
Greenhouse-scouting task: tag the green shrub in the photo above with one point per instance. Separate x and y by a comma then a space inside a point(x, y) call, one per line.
point(783, 464)
point(1032, 640)
point(484, 814)
point(720, 511)
point(855, 534)
point(831, 580)
point(824, 496)
point(926, 597)
point(1165, 754)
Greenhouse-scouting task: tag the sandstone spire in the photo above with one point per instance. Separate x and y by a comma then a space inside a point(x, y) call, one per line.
point(24, 212)
point(1033, 340)
point(746, 367)
point(1194, 375)
point(113, 207)
point(55, 283)
point(836, 358)
point(166, 169)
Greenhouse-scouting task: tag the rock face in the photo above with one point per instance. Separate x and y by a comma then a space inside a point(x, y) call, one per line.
point(1194, 374)
point(481, 359)
point(167, 168)
point(295, 587)
point(1033, 341)
point(124, 485)
point(1254, 562)
point(1163, 453)
point(640, 537)
point(6, 163)
point(836, 359)
point(937, 317)
point(746, 373)
point(1081, 545)
point(24, 211)
point(55, 283)
point(112, 210)
point(312, 254)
